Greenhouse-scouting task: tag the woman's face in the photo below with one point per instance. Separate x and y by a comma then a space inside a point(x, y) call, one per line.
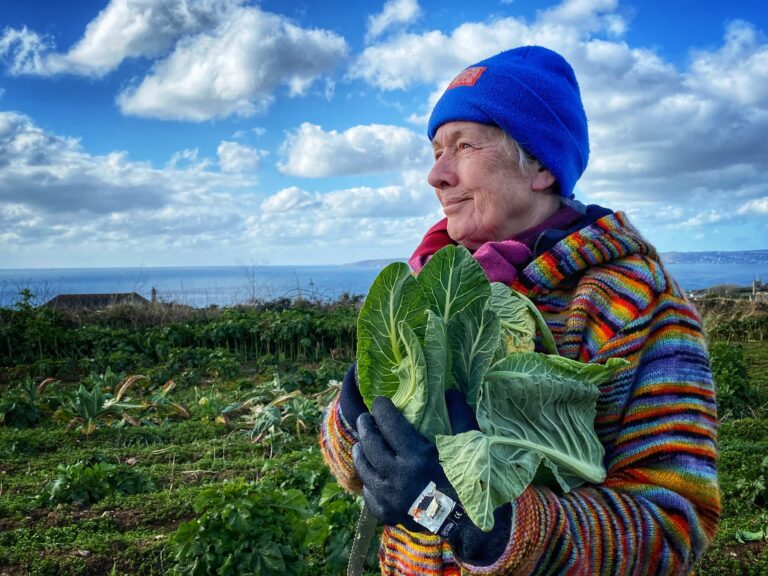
point(480, 186)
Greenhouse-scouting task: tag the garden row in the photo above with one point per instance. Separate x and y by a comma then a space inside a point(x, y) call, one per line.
point(162, 341)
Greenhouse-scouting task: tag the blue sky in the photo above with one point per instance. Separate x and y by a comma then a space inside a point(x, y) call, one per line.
point(229, 132)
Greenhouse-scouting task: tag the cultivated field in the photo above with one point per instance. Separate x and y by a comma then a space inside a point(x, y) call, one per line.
point(155, 440)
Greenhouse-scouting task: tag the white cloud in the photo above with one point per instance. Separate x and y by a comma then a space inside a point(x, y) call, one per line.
point(738, 72)
point(23, 50)
point(188, 157)
point(342, 239)
point(53, 174)
point(434, 57)
point(312, 152)
point(234, 157)
point(396, 201)
point(757, 206)
point(703, 218)
point(213, 58)
point(586, 15)
point(55, 194)
point(681, 148)
point(394, 13)
point(326, 227)
point(124, 29)
point(256, 132)
point(289, 200)
point(234, 69)
point(407, 60)
point(659, 134)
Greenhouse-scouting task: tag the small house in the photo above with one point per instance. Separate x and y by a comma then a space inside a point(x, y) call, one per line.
point(94, 301)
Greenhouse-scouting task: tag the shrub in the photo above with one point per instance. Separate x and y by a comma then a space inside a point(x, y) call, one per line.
point(19, 413)
point(243, 529)
point(23, 408)
point(301, 378)
point(755, 490)
point(86, 482)
point(214, 406)
point(735, 395)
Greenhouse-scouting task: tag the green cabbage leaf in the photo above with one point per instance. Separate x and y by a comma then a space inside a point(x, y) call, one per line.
point(533, 409)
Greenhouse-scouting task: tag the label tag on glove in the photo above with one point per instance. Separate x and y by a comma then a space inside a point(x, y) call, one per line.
point(431, 508)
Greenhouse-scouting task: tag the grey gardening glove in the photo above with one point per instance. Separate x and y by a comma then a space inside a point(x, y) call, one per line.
point(396, 462)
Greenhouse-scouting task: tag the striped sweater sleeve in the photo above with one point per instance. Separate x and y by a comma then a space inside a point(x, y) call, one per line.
point(658, 509)
point(336, 440)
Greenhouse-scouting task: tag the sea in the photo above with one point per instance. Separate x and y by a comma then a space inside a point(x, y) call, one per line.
point(201, 287)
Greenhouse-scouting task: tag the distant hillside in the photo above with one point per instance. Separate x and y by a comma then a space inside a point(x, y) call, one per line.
point(717, 257)
point(380, 263)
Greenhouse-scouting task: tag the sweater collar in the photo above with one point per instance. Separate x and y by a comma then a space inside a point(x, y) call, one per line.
point(607, 239)
point(573, 239)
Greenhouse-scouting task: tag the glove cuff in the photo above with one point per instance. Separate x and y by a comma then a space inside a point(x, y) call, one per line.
point(454, 520)
point(472, 545)
point(351, 403)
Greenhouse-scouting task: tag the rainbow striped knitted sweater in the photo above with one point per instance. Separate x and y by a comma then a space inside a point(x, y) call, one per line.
point(604, 294)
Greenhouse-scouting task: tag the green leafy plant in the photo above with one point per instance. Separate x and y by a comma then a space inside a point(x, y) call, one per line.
point(450, 328)
point(86, 482)
point(243, 528)
point(755, 490)
point(161, 404)
point(735, 394)
point(291, 412)
point(107, 380)
point(213, 405)
point(333, 528)
point(744, 536)
point(222, 364)
point(86, 409)
point(23, 408)
point(301, 413)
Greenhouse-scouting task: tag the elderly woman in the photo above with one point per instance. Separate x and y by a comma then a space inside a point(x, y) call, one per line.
point(510, 142)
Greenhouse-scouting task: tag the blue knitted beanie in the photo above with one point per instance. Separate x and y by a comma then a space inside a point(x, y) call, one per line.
point(531, 93)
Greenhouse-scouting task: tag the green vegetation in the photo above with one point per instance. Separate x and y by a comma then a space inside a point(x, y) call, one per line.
point(237, 532)
point(220, 435)
point(147, 440)
point(84, 483)
point(738, 333)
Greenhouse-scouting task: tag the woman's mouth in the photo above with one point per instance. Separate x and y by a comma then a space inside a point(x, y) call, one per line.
point(452, 205)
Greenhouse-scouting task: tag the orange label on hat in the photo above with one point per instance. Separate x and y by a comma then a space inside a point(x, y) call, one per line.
point(467, 77)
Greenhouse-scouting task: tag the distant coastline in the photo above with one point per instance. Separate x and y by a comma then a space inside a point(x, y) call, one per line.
point(716, 257)
point(708, 257)
point(229, 285)
point(375, 263)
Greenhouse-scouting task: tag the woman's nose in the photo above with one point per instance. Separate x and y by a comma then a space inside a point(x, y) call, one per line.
point(443, 173)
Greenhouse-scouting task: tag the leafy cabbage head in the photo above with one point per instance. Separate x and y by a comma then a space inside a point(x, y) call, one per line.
point(451, 328)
